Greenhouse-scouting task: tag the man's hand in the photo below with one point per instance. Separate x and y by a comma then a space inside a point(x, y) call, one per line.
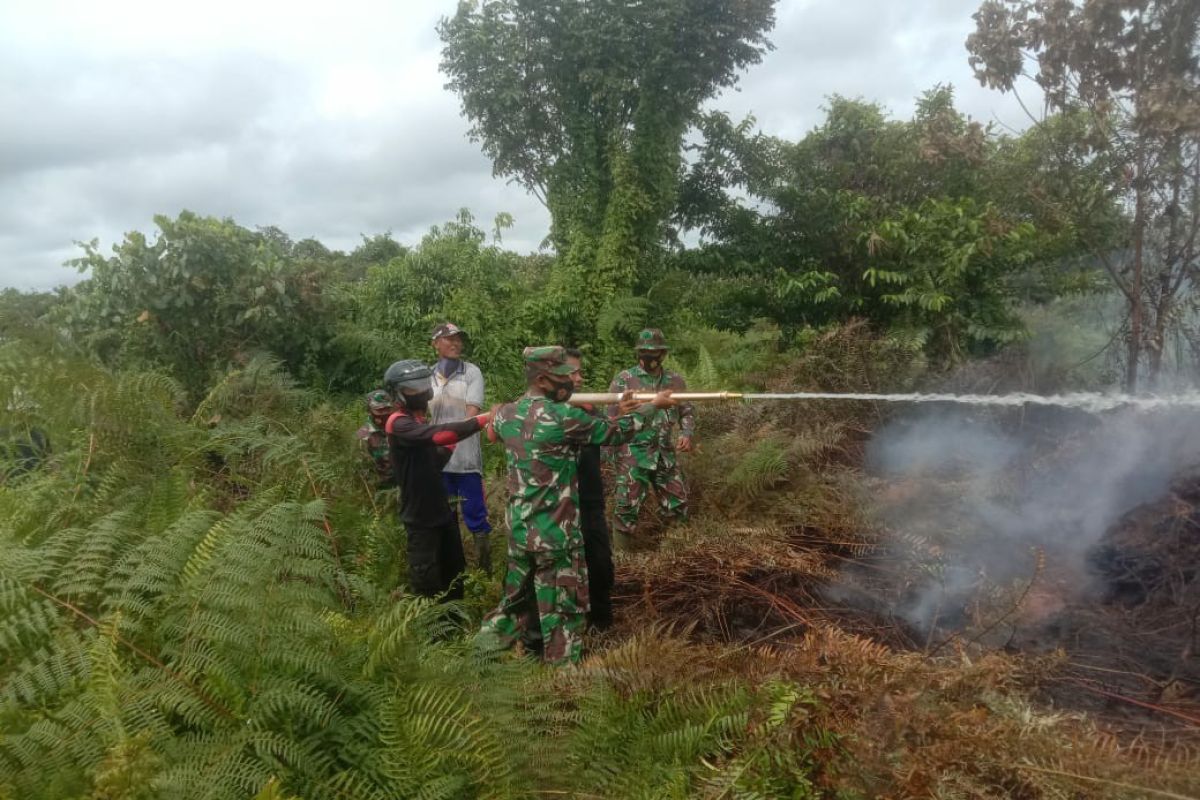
point(664, 400)
point(489, 429)
point(684, 445)
point(627, 404)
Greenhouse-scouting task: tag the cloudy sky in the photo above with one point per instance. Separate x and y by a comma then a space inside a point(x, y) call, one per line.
point(330, 120)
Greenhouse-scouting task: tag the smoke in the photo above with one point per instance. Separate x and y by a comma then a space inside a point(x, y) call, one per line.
point(981, 495)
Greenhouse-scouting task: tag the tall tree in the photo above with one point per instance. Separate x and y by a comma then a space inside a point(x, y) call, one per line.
point(585, 103)
point(896, 221)
point(1133, 68)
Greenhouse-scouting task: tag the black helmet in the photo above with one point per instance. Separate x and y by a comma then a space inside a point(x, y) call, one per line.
point(407, 374)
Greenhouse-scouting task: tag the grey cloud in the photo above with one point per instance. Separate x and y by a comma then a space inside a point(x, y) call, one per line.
point(316, 186)
point(88, 112)
point(103, 145)
point(882, 52)
point(229, 145)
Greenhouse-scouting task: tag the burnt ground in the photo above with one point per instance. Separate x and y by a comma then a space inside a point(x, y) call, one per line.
point(1133, 641)
point(1130, 642)
point(1128, 628)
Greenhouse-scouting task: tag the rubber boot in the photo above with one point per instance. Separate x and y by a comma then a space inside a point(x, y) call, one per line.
point(483, 552)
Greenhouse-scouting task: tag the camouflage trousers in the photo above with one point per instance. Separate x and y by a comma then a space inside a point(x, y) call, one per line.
point(557, 580)
point(634, 481)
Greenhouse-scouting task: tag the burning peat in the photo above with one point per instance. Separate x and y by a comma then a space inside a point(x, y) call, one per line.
point(1047, 531)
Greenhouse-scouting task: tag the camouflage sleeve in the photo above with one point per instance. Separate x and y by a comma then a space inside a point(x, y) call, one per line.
point(618, 387)
point(687, 412)
point(580, 428)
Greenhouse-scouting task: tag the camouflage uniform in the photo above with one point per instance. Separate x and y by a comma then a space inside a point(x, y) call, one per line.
point(374, 437)
point(545, 546)
point(650, 459)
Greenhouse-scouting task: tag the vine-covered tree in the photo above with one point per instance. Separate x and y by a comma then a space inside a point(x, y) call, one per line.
point(585, 103)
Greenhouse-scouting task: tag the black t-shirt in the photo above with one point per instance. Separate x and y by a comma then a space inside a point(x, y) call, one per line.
point(419, 451)
point(591, 482)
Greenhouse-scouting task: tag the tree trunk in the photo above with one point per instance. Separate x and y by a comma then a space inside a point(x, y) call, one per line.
point(1135, 292)
point(1156, 346)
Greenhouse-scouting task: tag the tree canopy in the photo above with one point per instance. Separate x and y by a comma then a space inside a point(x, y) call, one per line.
point(1133, 70)
point(586, 103)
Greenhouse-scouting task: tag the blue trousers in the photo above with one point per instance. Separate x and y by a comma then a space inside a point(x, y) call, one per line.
point(469, 486)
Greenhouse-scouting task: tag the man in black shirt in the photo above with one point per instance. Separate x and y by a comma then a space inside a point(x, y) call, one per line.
point(419, 450)
point(597, 547)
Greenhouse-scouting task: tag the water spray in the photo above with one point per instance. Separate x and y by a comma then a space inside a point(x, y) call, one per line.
point(1093, 402)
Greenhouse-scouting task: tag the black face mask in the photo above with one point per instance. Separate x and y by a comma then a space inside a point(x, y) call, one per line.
point(650, 363)
point(561, 390)
point(418, 402)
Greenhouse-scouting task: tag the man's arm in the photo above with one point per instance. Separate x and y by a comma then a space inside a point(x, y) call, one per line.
point(581, 428)
point(475, 390)
point(410, 433)
point(617, 387)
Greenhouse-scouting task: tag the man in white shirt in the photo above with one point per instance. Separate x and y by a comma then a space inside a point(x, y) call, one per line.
point(458, 395)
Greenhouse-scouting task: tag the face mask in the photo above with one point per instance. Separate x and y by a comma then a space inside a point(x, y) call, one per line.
point(650, 363)
point(561, 390)
point(418, 402)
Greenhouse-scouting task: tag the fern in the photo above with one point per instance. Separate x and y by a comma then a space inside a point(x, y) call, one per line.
point(705, 373)
point(765, 465)
point(202, 604)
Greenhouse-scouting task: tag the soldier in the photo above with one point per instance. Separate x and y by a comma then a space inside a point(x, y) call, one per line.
point(597, 548)
point(650, 459)
point(458, 394)
point(419, 450)
point(541, 436)
point(374, 437)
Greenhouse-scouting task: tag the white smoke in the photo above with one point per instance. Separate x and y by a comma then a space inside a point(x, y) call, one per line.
point(988, 491)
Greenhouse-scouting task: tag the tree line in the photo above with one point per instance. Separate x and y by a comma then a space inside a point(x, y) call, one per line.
point(935, 228)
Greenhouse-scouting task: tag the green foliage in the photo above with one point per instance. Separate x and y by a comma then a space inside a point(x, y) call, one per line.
point(916, 226)
point(205, 293)
point(586, 104)
point(198, 604)
point(452, 275)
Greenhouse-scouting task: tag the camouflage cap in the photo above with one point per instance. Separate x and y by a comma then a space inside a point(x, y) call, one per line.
point(547, 360)
point(446, 329)
point(378, 402)
point(651, 339)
